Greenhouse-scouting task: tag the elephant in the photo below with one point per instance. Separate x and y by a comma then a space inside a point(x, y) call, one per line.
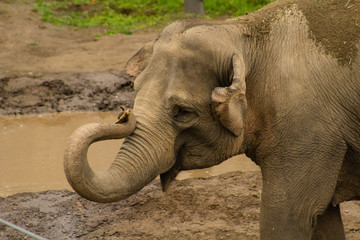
point(281, 84)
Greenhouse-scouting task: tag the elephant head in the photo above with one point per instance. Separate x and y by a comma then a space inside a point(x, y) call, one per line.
point(189, 108)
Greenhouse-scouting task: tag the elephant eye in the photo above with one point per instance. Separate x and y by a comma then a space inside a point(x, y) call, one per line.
point(184, 115)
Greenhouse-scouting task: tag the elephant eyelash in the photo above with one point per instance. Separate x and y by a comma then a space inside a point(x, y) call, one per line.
point(180, 111)
point(184, 115)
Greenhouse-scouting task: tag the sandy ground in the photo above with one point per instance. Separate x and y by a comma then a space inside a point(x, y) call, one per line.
point(44, 68)
point(28, 44)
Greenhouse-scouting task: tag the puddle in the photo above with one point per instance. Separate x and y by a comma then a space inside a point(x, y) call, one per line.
point(32, 150)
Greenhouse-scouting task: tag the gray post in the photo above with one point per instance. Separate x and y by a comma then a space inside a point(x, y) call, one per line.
point(194, 6)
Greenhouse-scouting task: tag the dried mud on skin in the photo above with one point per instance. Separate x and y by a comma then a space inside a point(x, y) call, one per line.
point(333, 25)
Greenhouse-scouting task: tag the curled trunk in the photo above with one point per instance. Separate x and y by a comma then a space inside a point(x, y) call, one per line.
point(115, 183)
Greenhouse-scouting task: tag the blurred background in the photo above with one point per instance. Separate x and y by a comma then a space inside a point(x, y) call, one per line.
point(127, 16)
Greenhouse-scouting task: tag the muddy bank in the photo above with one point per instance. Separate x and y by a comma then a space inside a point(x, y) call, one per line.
point(220, 207)
point(214, 208)
point(44, 92)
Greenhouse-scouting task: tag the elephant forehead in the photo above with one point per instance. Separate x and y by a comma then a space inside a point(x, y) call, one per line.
point(187, 95)
point(179, 69)
point(186, 48)
point(188, 79)
point(176, 56)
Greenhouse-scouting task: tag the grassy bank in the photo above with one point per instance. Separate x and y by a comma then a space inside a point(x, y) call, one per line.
point(126, 16)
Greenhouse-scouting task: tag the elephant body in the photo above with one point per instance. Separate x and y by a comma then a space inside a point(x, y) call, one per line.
point(281, 84)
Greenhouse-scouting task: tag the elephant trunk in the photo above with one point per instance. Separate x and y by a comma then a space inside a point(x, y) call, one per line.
point(122, 179)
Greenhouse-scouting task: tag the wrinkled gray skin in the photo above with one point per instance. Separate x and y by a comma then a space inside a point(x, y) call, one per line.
point(206, 92)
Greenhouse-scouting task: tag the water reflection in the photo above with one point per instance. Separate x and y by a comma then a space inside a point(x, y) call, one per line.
point(32, 149)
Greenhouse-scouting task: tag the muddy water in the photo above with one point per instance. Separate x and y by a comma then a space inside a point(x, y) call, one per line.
point(32, 150)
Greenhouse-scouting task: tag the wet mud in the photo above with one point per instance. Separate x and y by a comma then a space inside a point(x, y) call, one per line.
point(48, 92)
point(191, 209)
point(219, 207)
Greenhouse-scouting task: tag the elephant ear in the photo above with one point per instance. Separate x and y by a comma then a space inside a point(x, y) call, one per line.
point(231, 101)
point(140, 60)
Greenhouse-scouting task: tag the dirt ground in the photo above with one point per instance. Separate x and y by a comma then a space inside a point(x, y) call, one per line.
point(45, 68)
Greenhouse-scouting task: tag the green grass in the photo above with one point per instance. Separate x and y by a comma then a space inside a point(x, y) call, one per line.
point(126, 16)
point(3, 11)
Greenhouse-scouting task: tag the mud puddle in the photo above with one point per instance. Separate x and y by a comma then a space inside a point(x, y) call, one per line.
point(32, 150)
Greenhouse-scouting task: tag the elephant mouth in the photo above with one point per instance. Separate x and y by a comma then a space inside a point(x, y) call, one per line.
point(167, 178)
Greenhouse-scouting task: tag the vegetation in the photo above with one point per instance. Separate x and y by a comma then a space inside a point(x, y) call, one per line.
point(126, 16)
